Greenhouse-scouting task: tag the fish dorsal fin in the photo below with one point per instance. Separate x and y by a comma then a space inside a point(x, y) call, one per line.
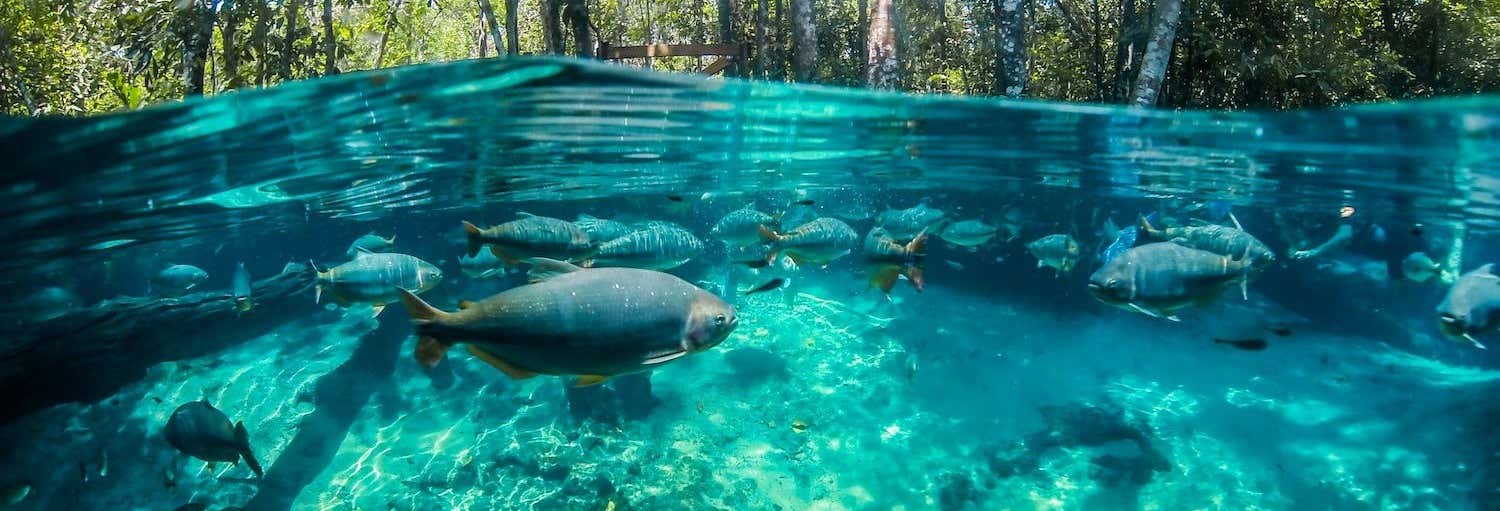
point(362, 252)
point(585, 217)
point(523, 214)
point(543, 269)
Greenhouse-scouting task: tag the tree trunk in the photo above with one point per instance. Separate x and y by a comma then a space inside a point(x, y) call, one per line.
point(289, 50)
point(512, 30)
point(552, 36)
point(10, 60)
point(385, 36)
point(487, 16)
point(761, 18)
point(258, 37)
point(1010, 48)
point(198, 34)
point(577, 13)
point(230, 23)
point(778, 40)
point(1124, 50)
point(330, 42)
point(804, 41)
point(1097, 33)
point(484, 41)
point(884, 69)
point(726, 21)
point(1158, 52)
point(862, 36)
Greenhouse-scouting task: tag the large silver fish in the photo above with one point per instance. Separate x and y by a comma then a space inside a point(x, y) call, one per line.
point(202, 431)
point(1060, 251)
point(1158, 278)
point(819, 241)
point(529, 236)
point(593, 323)
point(904, 224)
point(1472, 305)
point(376, 279)
point(601, 230)
point(1219, 239)
point(742, 226)
point(656, 248)
point(370, 243)
point(890, 259)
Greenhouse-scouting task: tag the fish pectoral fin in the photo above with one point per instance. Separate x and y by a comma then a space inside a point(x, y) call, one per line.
point(1153, 313)
point(543, 269)
point(515, 373)
point(376, 309)
point(589, 380)
point(465, 304)
point(1475, 342)
point(662, 358)
point(430, 351)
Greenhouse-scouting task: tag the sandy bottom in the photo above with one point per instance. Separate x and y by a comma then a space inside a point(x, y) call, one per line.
point(880, 406)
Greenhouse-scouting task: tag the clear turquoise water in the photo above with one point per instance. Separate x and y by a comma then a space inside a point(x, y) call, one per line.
point(829, 395)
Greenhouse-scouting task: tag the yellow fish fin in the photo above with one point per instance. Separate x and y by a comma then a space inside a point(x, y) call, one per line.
point(513, 372)
point(377, 308)
point(589, 380)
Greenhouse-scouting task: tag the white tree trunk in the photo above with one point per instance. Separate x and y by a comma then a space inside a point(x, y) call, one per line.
point(883, 71)
point(804, 41)
point(1158, 52)
point(1010, 54)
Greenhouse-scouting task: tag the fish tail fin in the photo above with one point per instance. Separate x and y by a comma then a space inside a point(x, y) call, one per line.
point(918, 245)
point(473, 233)
point(767, 234)
point(914, 274)
point(421, 313)
point(1245, 278)
point(242, 440)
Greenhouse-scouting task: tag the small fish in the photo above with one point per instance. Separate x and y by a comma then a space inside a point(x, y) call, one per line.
point(757, 263)
point(103, 463)
point(955, 265)
point(1377, 234)
point(370, 243)
point(1256, 344)
point(769, 285)
point(675, 198)
point(1416, 230)
point(806, 202)
point(1279, 329)
point(168, 478)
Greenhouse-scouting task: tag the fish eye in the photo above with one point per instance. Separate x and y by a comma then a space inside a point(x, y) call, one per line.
point(1111, 283)
point(720, 319)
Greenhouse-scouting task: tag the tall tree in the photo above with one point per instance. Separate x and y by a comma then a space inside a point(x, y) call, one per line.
point(884, 67)
point(487, 14)
point(761, 47)
point(15, 71)
point(258, 38)
point(227, 30)
point(552, 34)
point(1158, 52)
point(577, 14)
point(290, 41)
point(1010, 48)
point(861, 34)
point(804, 41)
point(512, 28)
point(385, 35)
point(330, 43)
point(195, 30)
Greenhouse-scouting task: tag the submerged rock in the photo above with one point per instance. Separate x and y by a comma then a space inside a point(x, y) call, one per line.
point(1084, 424)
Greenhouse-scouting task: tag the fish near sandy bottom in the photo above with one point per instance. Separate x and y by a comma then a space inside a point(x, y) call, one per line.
point(890, 259)
point(374, 279)
point(527, 237)
point(819, 242)
point(1059, 251)
point(594, 323)
point(1472, 306)
point(1158, 278)
point(199, 430)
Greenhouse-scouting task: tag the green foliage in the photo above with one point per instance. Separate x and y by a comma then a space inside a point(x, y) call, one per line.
point(75, 57)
